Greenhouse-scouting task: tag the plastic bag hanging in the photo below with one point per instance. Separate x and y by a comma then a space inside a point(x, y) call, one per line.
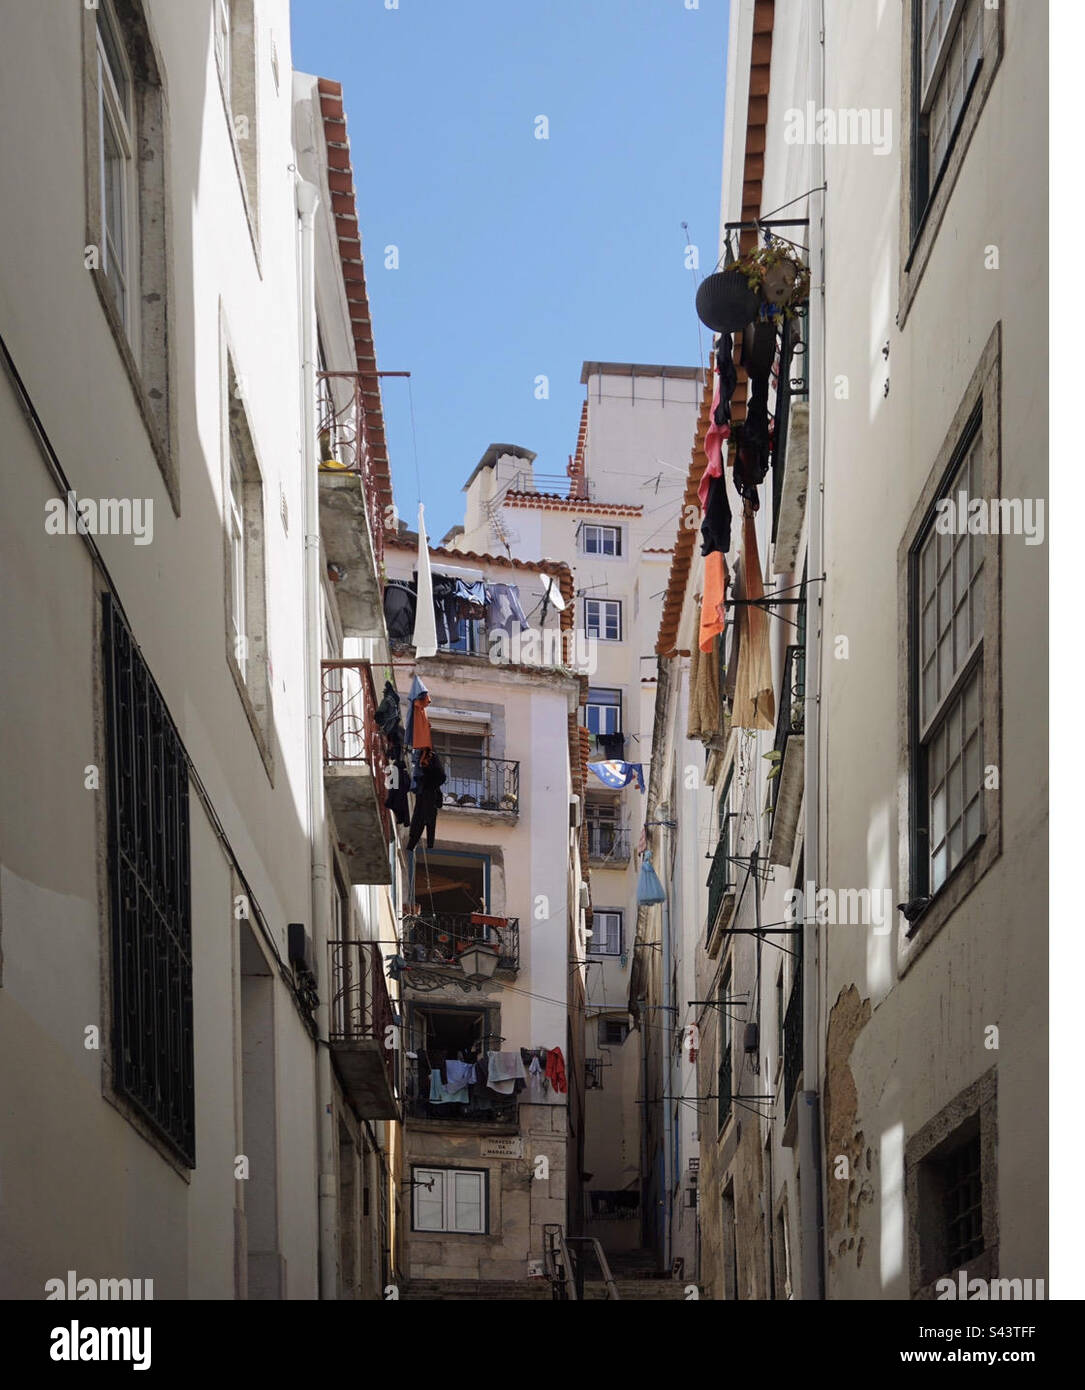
point(649, 888)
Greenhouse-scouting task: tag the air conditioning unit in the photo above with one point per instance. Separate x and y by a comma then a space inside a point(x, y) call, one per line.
point(299, 948)
point(576, 812)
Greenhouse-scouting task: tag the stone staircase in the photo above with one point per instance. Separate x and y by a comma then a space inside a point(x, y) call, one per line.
point(537, 1290)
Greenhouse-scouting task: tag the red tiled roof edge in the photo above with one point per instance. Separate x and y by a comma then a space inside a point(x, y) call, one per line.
point(345, 211)
point(753, 173)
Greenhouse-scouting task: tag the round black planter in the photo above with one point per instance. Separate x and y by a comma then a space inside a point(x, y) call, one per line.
point(725, 302)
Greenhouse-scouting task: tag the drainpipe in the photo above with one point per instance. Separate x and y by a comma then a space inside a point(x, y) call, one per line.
point(307, 202)
point(809, 1118)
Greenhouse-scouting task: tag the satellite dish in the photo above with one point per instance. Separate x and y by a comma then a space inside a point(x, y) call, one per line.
point(552, 593)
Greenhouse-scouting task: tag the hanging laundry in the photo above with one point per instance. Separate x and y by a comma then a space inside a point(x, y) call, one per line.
point(649, 888)
point(418, 730)
point(611, 745)
point(428, 798)
point(470, 596)
point(617, 774)
point(555, 1070)
point(396, 797)
point(399, 607)
point(754, 701)
point(390, 722)
point(446, 611)
point(713, 617)
point(705, 710)
point(753, 439)
point(460, 1074)
point(725, 365)
point(424, 637)
point(503, 608)
point(442, 1093)
point(713, 448)
point(716, 525)
point(504, 1070)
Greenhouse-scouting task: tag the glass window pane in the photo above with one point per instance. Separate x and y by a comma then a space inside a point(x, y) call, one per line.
point(973, 755)
point(973, 821)
point(429, 1209)
point(467, 1192)
point(938, 817)
point(975, 605)
point(938, 870)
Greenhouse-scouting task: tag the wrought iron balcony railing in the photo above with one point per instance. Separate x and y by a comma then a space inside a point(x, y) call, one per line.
point(343, 445)
point(608, 843)
point(791, 715)
point(351, 735)
point(362, 1027)
point(720, 881)
point(440, 938)
point(793, 1038)
point(487, 784)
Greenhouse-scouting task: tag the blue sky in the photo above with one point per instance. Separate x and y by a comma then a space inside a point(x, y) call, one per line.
point(521, 257)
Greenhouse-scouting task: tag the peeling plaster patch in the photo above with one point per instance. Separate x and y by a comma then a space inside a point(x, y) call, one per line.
point(848, 1018)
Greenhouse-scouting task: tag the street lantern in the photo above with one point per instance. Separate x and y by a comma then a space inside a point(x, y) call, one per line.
point(478, 962)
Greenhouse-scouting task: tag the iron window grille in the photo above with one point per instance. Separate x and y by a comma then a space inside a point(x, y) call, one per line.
point(964, 1204)
point(150, 911)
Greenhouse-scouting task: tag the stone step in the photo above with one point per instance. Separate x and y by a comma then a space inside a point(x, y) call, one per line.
point(537, 1290)
point(638, 1290)
point(469, 1290)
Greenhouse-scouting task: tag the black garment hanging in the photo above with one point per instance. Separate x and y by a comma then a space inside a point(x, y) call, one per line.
point(396, 800)
point(399, 608)
point(725, 358)
point(752, 447)
point(716, 526)
point(428, 799)
point(389, 720)
point(611, 745)
point(446, 609)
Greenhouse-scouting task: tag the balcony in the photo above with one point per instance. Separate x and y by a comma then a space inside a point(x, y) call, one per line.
point(481, 784)
point(482, 1109)
point(351, 516)
point(354, 770)
point(608, 844)
point(790, 744)
point(721, 896)
point(439, 939)
point(361, 1029)
point(551, 484)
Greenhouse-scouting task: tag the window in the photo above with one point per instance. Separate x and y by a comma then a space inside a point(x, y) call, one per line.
point(612, 1032)
point(151, 931)
point(235, 526)
point(464, 759)
point(116, 168)
point(603, 619)
point(606, 937)
point(127, 207)
point(246, 604)
point(953, 49)
point(450, 1199)
point(607, 838)
point(949, 678)
point(951, 44)
point(604, 711)
point(235, 58)
point(951, 1184)
point(602, 540)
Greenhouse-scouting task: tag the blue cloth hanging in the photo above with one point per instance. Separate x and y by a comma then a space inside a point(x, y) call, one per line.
point(616, 774)
point(649, 888)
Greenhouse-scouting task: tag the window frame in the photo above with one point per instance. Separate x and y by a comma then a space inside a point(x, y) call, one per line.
point(610, 912)
point(448, 1177)
point(931, 724)
point(118, 113)
point(923, 201)
point(601, 532)
point(604, 1023)
point(601, 622)
point(983, 394)
point(603, 705)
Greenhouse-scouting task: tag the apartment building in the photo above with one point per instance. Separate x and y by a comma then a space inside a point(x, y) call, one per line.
point(492, 925)
point(197, 871)
point(867, 938)
point(609, 514)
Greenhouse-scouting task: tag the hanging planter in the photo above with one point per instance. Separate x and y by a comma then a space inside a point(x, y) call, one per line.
point(725, 300)
point(777, 275)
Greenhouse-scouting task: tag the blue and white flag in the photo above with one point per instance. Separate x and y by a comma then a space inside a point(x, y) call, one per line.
point(616, 774)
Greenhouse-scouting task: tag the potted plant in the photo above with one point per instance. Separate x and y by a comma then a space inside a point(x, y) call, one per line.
point(777, 275)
